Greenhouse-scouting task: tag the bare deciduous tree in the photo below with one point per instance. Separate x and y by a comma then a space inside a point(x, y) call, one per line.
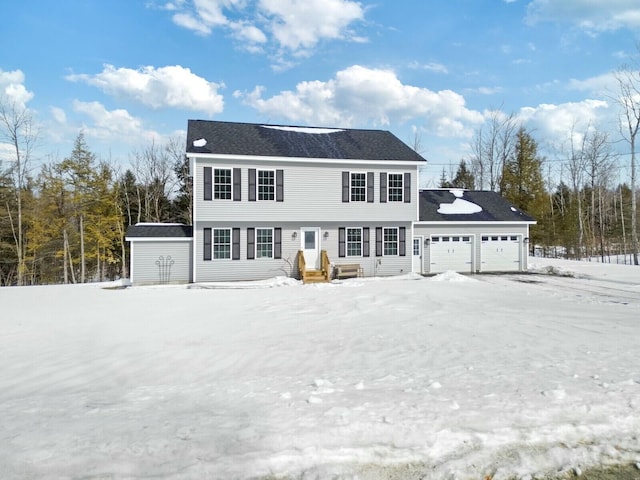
point(17, 129)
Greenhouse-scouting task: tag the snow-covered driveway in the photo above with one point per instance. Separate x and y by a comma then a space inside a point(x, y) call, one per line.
point(446, 377)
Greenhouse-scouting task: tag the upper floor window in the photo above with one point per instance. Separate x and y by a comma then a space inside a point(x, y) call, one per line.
point(358, 187)
point(266, 185)
point(222, 184)
point(396, 187)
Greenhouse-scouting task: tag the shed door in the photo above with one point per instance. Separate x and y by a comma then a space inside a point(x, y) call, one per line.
point(500, 253)
point(451, 252)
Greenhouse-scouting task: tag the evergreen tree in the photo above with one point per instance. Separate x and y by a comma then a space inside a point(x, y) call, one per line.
point(464, 177)
point(444, 183)
point(522, 182)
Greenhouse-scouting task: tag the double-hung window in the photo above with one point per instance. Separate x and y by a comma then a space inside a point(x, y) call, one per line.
point(390, 241)
point(222, 184)
point(358, 187)
point(266, 185)
point(354, 242)
point(396, 187)
point(221, 243)
point(264, 243)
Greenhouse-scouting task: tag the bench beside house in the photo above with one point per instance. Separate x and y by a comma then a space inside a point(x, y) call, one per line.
point(348, 270)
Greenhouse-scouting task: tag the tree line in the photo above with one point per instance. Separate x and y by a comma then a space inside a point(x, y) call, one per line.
point(67, 222)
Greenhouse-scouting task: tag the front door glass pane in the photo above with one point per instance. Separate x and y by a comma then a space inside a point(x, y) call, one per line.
point(310, 240)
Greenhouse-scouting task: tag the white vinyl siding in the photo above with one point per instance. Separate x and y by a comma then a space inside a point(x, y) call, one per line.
point(312, 193)
point(162, 261)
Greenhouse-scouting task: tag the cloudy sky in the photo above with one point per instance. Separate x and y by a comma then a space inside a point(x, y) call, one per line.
point(128, 72)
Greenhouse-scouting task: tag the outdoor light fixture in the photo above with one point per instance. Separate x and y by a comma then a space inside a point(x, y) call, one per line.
point(326, 235)
point(294, 235)
point(427, 241)
point(526, 239)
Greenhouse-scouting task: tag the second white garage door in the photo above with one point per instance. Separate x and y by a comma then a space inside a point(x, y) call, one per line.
point(500, 253)
point(451, 252)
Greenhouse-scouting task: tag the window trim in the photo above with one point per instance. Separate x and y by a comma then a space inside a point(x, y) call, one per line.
point(359, 242)
point(385, 242)
point(217, 186)
point(228, 235)
point(363, 188)
point(395, 189)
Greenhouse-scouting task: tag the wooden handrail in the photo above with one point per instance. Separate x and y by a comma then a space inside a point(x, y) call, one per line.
point(325, 264)
point(302, 267)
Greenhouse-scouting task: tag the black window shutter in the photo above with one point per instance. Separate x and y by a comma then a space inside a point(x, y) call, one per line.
point(345, 187)
point(341, 242)
point(208, 183)
point(206, 235)
point(383, 187)
point(252, 184)
point(237, 184)
point(235, 248)
point(279, 186)
point(378, 241)
point(402, 234)
point(277, 243)
point(365, 242)
point(251, 243)
point(407, 187)
point(370, 187)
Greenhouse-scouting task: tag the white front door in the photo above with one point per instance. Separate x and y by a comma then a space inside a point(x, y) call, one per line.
point(310, 246)
point(417, 253)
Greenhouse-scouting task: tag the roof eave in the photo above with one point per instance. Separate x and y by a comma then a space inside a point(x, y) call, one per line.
point(334, 161)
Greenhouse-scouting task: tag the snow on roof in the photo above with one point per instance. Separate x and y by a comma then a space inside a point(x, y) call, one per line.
point(457, 192)
point(201, 142)
point(317, 131)
point(459, 207)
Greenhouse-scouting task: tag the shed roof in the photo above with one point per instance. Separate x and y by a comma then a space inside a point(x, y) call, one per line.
point(159, 230)
point(457, 205)
point(230, 138)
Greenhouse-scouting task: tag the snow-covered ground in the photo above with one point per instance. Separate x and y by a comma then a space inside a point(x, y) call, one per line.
point(446, 377)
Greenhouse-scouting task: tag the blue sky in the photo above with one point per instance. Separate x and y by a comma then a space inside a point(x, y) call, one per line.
point(129, 72)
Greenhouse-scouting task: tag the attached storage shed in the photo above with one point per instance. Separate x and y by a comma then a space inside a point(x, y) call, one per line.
point(160, 253)
point(469, 231)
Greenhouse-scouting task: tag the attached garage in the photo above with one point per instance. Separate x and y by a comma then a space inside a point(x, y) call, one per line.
point(501, 253)
point(160, 253)
point(451, 252)
point(470, 231)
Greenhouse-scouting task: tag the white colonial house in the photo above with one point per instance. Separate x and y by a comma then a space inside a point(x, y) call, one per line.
point(315, 203)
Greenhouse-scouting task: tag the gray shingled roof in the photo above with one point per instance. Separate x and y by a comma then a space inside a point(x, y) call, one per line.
point(285, 141)
point(494, 207)
point(154, 230)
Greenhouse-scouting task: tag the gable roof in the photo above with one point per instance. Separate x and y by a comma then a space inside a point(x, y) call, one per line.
point(159, 230)
point(471, 206)
point(230, 138)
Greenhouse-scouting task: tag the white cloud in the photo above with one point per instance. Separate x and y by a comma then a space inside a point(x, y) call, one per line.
point(13, 89)
point(593, 15)
point(301, 24)
point(59, 115)
point(431, 67)
point(116, 125)
point(605, 84)
point(555, 122)
point(171, 86)
point(295, 26)
point(360, 96)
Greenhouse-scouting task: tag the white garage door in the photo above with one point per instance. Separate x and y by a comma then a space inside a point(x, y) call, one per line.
point(451, 252)
point(500, 253)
